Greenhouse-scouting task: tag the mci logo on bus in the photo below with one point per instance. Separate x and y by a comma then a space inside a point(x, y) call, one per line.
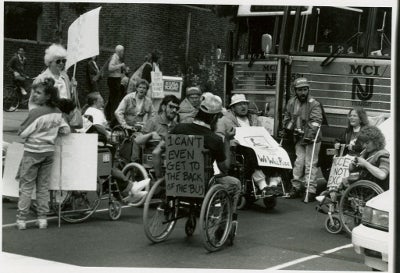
point(363, 93)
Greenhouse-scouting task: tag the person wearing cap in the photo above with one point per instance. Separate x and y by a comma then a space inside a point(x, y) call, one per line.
point(116, 67)
point(302, 118)
point(157, 127)
point(203, 124)
point(238, 116)
point(190, 105)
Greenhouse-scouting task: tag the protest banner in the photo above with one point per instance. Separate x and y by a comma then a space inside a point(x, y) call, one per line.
point(83, 38)
point(75, 163)
point(267, 150)
point(339, 170)
point(185, 166)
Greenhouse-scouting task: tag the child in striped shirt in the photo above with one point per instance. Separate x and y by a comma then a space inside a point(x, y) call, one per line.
point(39, 131)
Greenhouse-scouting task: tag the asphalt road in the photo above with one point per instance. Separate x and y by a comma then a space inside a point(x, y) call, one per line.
point(290, 237)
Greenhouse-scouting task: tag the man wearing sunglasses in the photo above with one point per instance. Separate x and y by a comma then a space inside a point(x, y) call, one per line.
point(157, 127)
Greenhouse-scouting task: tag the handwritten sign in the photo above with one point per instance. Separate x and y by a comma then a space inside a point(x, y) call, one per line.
point(173, 86)
point(267, 150)
point(157, 85)
point(339, 170)
point(185, 166)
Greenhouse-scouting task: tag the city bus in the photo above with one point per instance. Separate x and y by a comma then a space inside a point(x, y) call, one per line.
point(344, 52)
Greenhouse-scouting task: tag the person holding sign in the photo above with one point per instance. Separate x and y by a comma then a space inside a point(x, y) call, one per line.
point(209, 111)
point(39, 131)
point(153, 65)
point(190, 105)
point(239, 116)
point(357, 119)
point(303, 117)
point(373, 164)
point(55, 59)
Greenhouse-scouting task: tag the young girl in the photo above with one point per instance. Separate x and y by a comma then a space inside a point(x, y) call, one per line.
point(39, 131)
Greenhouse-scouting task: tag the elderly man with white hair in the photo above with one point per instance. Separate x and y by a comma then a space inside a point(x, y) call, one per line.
point(116, 68)
point(55, 59)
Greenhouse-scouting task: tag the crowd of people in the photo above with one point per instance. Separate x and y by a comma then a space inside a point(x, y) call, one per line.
point(52, 110)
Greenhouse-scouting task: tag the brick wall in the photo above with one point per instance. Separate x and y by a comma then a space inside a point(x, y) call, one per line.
point(141, 28)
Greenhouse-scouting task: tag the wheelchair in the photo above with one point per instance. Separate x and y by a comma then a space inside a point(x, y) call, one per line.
point(213, 206)
point(250, 193)
point(77, 206)
point(345, 203)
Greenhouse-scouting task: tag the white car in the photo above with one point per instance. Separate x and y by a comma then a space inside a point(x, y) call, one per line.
point(371, 238)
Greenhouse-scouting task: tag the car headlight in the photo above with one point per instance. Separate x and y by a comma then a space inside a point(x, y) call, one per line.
point(374, 218)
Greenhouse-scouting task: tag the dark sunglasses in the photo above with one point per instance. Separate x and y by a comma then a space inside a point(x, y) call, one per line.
point(173, 107)
point(61, 61)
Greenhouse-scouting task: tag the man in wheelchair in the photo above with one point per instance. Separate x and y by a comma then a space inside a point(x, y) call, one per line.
point(204, 124)
point(240, 116)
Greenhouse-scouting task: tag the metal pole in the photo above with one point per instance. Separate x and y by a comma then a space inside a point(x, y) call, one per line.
point(311, 163)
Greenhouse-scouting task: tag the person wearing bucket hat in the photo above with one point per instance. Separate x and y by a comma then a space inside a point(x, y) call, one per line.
point(190, 105)
point(302, 118)
point(203, 124)
point(238, 116)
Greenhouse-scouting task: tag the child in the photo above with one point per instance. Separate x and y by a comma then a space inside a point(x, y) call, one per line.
point(39, 131)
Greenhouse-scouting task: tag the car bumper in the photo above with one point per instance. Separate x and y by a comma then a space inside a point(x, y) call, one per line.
point(373, 244)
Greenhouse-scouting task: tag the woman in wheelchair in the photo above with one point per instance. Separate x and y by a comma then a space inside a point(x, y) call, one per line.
point(373, 164)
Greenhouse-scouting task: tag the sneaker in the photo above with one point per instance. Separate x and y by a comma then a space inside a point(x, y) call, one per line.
point(21, 224)
point(41, 223)
point(294, 193)
point(136, 197)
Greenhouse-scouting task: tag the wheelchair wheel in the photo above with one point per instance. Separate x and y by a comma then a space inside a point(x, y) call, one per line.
point(190, 225)
point(135, 173)
point(270, 202)
point(353, 202)
point(118, 134)
point(334, 226)
point(241, 202)
point(114, 210)
point(79, 205)
point(159, 216)
point(215, 217)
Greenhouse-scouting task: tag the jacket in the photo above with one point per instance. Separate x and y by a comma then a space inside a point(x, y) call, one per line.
point(307, 117)
point(126, 113)
point(229, 121)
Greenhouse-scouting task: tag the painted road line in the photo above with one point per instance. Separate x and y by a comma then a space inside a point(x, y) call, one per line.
point(300, 260)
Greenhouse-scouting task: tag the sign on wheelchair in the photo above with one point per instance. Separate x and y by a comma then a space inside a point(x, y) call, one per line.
point(188, 191)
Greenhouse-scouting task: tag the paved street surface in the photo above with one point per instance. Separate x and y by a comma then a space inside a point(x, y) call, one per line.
point(290, 237)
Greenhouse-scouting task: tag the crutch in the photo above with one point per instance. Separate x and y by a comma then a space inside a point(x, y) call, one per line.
point(311, 163)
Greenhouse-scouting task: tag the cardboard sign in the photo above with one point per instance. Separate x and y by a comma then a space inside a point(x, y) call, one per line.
point(75, 163)
point(339, 170)
point(173, 86)
point(267, 150)
point(157, 85)
point(185, 166)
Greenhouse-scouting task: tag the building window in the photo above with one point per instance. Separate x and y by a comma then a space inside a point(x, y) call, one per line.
point(20, 20)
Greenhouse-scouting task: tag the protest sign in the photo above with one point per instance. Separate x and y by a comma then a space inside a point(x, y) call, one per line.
point(173, 86)
point(157, 85)
point(75, 163)
point(185, 166)
point(83, 38)
point(339, 170)
point(13, 158)
point(267, 150)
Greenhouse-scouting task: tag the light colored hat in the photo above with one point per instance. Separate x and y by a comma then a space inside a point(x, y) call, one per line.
point(119, 48)
point(193, 91)
point(300, 82)
point(238, 98)
point(210, 103)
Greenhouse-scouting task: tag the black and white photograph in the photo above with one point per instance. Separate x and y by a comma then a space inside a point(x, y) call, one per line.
point(122, 148)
